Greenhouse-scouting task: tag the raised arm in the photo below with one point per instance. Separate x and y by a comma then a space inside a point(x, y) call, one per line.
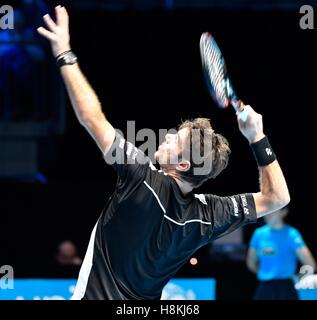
point(273, 193)
point(83, 98)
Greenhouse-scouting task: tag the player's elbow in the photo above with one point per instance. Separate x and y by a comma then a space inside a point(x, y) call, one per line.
point(271, 202)
point(280, 200)
point(88, 119)
point(85, 118)
point(314, 265)
point(284, 199)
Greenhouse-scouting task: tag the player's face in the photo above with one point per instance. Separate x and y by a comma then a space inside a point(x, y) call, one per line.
point(168, 152)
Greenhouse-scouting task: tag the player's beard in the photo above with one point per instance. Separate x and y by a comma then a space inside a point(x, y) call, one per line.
point(164, 161)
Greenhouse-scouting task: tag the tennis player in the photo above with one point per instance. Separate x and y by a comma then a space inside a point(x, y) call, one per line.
point(154, 222)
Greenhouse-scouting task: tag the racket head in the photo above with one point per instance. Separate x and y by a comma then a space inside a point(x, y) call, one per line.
point(215, 71)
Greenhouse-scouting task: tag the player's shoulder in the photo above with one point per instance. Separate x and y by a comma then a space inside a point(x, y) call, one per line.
point(292, 231)
point(205, 198)
point(211, 200)
point(201, 198)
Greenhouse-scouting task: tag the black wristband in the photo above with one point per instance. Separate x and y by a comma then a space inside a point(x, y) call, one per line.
point(263, 152)
point(66, 58)
point(61, 54)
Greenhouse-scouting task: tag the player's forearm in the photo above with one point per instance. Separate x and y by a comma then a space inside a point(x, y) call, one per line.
point(273, 186)
point(274, 192)
point(83, 98)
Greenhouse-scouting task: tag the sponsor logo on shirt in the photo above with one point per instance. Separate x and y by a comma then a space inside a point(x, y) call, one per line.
point(135, 152)
point(121, 143)
point(130, 147)
point(132, 151)
point(245, 204)
point(235, 206)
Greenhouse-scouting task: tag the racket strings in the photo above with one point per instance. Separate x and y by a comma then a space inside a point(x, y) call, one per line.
point(214, 66)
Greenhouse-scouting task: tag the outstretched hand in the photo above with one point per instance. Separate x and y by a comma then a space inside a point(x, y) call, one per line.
point(252, 128)
point(57, 32)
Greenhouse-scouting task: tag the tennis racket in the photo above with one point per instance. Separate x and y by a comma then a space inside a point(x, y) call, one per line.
point(216, 76)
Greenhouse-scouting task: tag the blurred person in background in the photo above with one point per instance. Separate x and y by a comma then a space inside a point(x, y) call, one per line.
point(66, 261)
point(274, 251)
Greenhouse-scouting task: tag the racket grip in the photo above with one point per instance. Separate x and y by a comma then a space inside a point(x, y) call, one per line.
point(242, 113)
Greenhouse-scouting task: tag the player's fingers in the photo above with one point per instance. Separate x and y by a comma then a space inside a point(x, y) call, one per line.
point(61, 16)
point(49, 22)
point(253, 114)
point(242, 124)
point(248, 108)
point(45, 33)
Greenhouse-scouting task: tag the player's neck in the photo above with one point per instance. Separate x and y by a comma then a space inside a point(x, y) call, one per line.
point(277, 225)
point(185, 187)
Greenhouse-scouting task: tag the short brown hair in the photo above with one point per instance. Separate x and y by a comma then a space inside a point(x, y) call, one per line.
point(217, 154)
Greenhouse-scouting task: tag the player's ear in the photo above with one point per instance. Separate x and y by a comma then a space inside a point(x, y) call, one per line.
point(183, 166)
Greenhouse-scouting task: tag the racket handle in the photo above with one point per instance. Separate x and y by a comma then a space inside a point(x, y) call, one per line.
point(241, 112)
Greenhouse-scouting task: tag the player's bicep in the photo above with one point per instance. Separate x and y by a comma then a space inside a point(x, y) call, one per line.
point(229, 213)
point(101, 130)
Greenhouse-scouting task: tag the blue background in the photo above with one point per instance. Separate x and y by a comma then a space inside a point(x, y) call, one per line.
point(41, 289)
